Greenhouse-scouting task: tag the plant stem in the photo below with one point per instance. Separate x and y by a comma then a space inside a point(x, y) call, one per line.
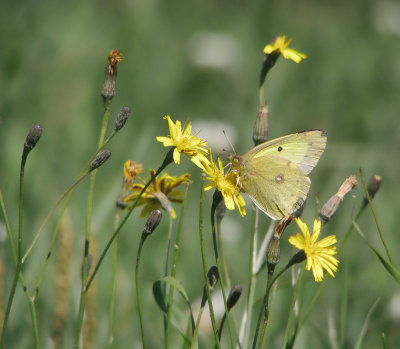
point(138, 290)
point(82, 302)
point(113, 283)
point(203, 258)
point(175, 262)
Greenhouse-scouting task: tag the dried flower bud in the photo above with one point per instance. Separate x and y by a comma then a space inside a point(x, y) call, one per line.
point(373, 185)
point(152, 222)
point(122, 118)
point(212, 276)
point(109, 88)
point(234, 295)
point(100, 159)
point(260, 131)
point(32, 138)
point(131, 169)
point(330, 207)
point(282, 225)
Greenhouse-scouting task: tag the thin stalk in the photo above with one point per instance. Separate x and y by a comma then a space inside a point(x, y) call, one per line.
point(69, 190)
point(252, 276)
point(196, 329)
point(166, 324)
point(214, 236)
point(375, 218)
point(113, 284)
point(167, 161)
point(138, 290)
point(19, 263)
point(223, 258)
point(175, 262)
point(49, 254)
point(203, 258)
point(30, 300)
point(264, 308)
point(82, 302)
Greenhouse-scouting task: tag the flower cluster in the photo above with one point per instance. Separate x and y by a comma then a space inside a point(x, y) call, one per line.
point(194, 147)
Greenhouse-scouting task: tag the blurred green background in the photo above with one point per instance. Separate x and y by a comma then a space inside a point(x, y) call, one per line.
point(199, 62)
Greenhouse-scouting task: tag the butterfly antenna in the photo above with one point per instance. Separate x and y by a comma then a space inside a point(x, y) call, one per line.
point(230, 143)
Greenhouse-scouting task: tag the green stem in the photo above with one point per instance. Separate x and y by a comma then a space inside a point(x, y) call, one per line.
point(223, 258)
point(205, 270)
point(375, 218)
point(138, 290)
point(21, 278)
point(82, 302)
point(175, 263)
point(264, 307)
point(113, 284)
point(196, 329)
point(166, 324)
point(214, 236)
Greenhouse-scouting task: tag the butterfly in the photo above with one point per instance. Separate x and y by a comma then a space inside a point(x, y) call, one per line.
point(275, 173)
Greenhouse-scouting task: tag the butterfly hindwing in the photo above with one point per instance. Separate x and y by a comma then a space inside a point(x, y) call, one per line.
point(279, 188)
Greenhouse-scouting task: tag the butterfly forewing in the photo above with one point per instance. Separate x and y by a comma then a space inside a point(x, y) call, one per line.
point(302, 148)
point(278, 189)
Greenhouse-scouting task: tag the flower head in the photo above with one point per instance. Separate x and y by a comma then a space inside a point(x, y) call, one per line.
point(225, 183)
point(319, 254)
point(280, 46)
point(160, 193)
point(184, 142)
point(131, 170)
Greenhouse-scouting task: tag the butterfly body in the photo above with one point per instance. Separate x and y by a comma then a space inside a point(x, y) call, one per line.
point(275, 173)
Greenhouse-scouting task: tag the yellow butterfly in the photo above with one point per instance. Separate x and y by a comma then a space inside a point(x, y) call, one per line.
point(275, 173)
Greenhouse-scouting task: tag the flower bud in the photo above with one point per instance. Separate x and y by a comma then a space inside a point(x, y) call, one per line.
point(109, 89)
point(212, 276)
point(373, 185)
point(122, 118)
point(32, 138)
point(152, 222)
point(234, 295)
point(273, 252)
point(330, 207)
point(220, 211)
point(260, 131)
point(100, 159)
point(268, 62)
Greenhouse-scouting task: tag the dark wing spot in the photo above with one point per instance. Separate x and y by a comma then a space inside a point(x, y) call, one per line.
point(280, 178)
point(280, 148)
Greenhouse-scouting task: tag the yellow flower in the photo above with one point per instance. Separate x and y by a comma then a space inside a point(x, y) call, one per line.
point(319, 253)
point(184, 142)
point(225, 183)
point(160, 193)
point(280, 45)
